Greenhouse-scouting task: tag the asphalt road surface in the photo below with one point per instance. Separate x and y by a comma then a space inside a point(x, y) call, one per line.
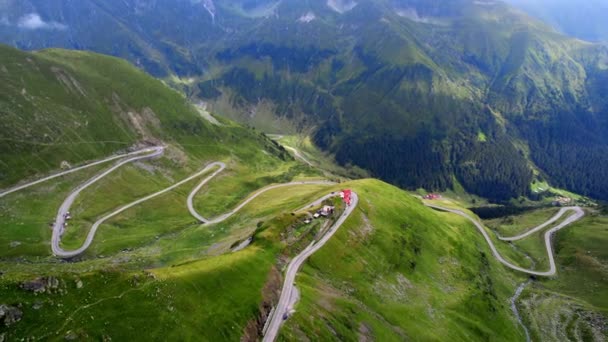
point(58, 227)
point(60, 219)
point(298, 155)
point(63, 173)
point(579, 213)
point(292, 269)
point(245, 202)
point(560, 213)
point(147, 153)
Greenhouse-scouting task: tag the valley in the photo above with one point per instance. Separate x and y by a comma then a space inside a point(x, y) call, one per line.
point(236, 170)
point(277, 318)
point(437, 95)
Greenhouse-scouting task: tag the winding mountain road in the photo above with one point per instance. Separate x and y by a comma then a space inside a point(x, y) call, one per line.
point(560, 213)
point(288, 285)
point(147, 153)
point(579, 213)
point(292, 269)
point(298, 155)
point(227, 215)
point(60, 220)
point(63, 173)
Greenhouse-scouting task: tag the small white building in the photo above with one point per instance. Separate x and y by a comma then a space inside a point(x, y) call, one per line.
point(326, 210)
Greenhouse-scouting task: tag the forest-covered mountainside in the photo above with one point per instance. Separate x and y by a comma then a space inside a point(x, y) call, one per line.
point(153, 271)
point(394, 270)
point(432, 94)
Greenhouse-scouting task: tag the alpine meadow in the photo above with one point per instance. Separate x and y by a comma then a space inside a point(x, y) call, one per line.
point(303, 170)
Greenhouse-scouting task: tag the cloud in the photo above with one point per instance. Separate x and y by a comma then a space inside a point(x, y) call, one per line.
point(4, 21)
point(308, 17)
point(32, 21)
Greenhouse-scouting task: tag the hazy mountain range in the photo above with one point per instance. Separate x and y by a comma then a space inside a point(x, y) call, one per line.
point(422, 93)
point(167, 236)
point(583, 19)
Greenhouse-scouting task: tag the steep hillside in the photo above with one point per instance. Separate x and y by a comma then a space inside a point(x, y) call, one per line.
point(574, 305)
point(395, 270)
point(420, 93)
point(62, 108)
point(401, 271)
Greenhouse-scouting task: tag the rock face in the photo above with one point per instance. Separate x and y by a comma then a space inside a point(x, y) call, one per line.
point(10, 314)
point(42, 285)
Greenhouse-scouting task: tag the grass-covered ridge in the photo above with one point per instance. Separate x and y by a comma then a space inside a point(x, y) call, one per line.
point(395, 270)
point(62, 108)
point(78, 106)
point(399, 270)
point(572, 305)
point(392, 271)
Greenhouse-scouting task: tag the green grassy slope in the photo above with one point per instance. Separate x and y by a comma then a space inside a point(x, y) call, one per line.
point(398, 270)
point(187, 278)
point(394, 270)
point(109, 291)
point(76, 106)
point(71, 106)
point(572, 305)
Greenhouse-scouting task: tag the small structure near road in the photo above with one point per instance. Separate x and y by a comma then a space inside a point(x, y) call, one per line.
point(432, 196)
point(346, 196)
point(326, 210)
point(562, 201)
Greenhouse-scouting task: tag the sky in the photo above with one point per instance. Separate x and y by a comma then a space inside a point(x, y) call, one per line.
point(585, 19)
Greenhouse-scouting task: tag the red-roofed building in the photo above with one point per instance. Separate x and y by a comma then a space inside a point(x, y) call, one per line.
point(346, 194)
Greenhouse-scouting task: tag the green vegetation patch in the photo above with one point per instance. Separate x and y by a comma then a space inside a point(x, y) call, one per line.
point(397, 269)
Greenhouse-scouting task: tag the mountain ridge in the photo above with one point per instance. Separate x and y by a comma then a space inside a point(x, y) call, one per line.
point(400, 76)
point(395, 270)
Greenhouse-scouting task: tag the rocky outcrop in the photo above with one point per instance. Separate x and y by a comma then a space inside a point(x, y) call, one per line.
point(42, 285)
point(10, 315)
